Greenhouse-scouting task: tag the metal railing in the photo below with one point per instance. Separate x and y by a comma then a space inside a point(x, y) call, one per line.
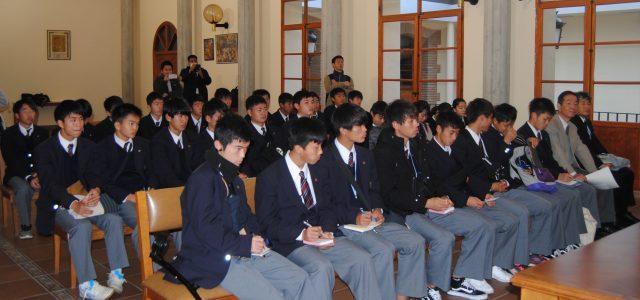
point(608, 116)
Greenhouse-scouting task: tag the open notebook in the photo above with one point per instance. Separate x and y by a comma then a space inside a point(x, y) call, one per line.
point(362, 228)
point(96, 210)
point(320, 242)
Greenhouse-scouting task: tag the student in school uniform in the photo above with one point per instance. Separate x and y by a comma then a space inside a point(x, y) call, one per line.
point(223, 243)
point(541, 110)
point(499, 140)
point(123, 163)
point(624, 176)
point(265, 149)
point(154, 121)
point(573, 156)
point(424, 130)
point(377, 121)
point(470, 150)
point(264, 94)
point(285, 101)
point(294, 207)
point(18, 144)
point(338, 96)
point(459, 106)
point(317, 111)
point(174, 150)
point(354, 182)
point(212, 112)
point(105, 127)
point(303, 104)
point(62, 160)
point(355, 97)
point(412, 197)
point(224, 95)
point(196, 122)
point(89, 130)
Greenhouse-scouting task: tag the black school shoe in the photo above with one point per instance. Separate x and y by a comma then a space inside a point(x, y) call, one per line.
point(462, 288)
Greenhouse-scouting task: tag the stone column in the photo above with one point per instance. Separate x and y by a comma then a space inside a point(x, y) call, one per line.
point(497, 24)
point(331, 36)
point(126, 49)
point(185, 32)
point(246, 51)
point(197, 31)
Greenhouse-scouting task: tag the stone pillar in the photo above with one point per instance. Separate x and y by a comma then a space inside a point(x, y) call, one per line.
point(126, 49)
point(246, 51)
point(185, 32)
point(197, 31)
point(331, 36)
point(497, 24)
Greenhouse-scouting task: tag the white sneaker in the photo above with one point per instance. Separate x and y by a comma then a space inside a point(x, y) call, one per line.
point(25, 235)
point(500, 274)
point(480, 285)
point(93, 290)
point(116, 281)
point(433, 294)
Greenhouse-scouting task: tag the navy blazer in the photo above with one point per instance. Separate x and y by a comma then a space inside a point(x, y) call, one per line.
point(470, 155)
point(280, 209)
point(276, 119)
point(191, 126)
point(205, 142)
point(103, 129)
point(50, 159)
point(451, 179)
point(500, 153)
point(207, 227)
point(105, 165)
point(89, 132)
point(545, 154)
point(262, 151)
point(148, 128)
point(18, 151)
point(592, 141)
point(348, 207)
point(166, 158)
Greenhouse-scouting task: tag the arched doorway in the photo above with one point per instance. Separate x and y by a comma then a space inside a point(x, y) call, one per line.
point(165, 47)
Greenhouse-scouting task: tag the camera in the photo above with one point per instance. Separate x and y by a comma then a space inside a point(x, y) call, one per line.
point(197, 67)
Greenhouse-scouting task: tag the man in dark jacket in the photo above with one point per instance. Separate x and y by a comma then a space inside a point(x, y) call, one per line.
point(154, 121)
point(195, 79)
point(265, 148)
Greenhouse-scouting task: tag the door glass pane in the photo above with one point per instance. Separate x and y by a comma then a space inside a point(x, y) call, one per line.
point(313, 40)
point(398, 35)
point(293, 66)
point(292, 86)
point(617, 63)
point(437, 92)
point(564, 63)
point(563, 25)
point(313, 66)
point(393, 90)
point(396, 7)
point(552, 90)
point(610, 99)
point(435, 5)
point(438, 64)
point(293, 41)
point(314, 11)
point(618, 22)
point(397, 65)
point(293, 12)
point(439, 33)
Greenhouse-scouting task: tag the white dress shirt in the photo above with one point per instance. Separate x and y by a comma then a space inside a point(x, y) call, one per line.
point(24, 130)
point(65, 143)
point(294, 170)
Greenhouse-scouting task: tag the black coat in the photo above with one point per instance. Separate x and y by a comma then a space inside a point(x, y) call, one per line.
point(205, 142)
point(276, 119)
point(193, 81)
point(263, 150)
point(103, 129)
point(592, 141)
point(166, 158)
point(89, 132)
point(500, 153)
point(481, 174)
point(18, 151)
point(191, 126)
point(148, 127)
point(451, 178)
point(545, 154)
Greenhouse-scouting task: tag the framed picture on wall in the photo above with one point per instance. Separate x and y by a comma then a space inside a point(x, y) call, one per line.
point(58, 44)
point(227, 48)
point(209, 50)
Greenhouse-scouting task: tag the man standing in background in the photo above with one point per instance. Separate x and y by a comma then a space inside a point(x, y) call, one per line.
point(195, 80)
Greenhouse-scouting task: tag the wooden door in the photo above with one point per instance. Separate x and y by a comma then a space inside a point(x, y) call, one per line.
point(165, 47)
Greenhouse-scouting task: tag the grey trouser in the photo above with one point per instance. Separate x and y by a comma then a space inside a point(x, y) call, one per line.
point(506, 227)
point(568, 210)
point(79, 231)
point(22, 193)
point(381, 244)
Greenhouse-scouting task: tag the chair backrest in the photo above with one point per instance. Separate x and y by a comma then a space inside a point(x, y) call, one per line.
point(157, 210)
point(250, 188)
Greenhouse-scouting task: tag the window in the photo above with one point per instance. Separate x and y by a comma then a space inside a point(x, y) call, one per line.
point(591, 46)
point(301, 34)
point(420, 50)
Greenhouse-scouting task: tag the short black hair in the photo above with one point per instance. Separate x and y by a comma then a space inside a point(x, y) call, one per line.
point(333, 60)
point(541, 105)
point(313, 94)
point(378, 108)
point(304, 131)
point(86, 107)
point(564, 94)
point(222, 93)
point(583, 96)
point(299, 95)
point(66, 108)
point(18, 105)
point(457, 101)
point(177, 106)
point(443, 107)
point(111, 102)
point(122, 111)
point(262, 93)
point(198, 98)
point(355, 94)
point(153, 96)
point(165, 63)
point(422, 106)
point(398, 111)
point(335, 91)
point(505, 113)
point(191, 56)
point(213, 106)
point(254, 100)
point(449, 119)
point(348, 115)
point(284, 98)
point(232, 128)
point(479, 107)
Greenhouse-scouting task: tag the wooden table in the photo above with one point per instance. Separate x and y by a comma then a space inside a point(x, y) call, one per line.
point(606, 269)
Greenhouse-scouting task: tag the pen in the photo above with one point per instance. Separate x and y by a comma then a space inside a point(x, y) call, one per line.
point(306, 223)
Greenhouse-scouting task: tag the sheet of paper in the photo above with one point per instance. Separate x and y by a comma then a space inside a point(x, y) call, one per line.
point(602, 179)
point(319, 242)
point(263, 253)
point(362, 228)
point(443, 212)
point(96, 210)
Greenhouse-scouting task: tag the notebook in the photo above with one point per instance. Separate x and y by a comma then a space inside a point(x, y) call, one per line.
point(443, 212)
point(96, 210)
point(319, 242)
point(362, 228)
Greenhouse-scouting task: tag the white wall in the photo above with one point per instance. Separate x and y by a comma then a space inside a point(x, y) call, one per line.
point(522, 60)
point(222, 75)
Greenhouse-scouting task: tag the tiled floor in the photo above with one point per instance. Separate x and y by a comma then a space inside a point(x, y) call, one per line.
point(27, 271)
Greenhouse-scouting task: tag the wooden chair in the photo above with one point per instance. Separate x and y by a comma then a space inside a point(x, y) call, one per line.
point(250, 188)
point(7, 193)
point(159, 210)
